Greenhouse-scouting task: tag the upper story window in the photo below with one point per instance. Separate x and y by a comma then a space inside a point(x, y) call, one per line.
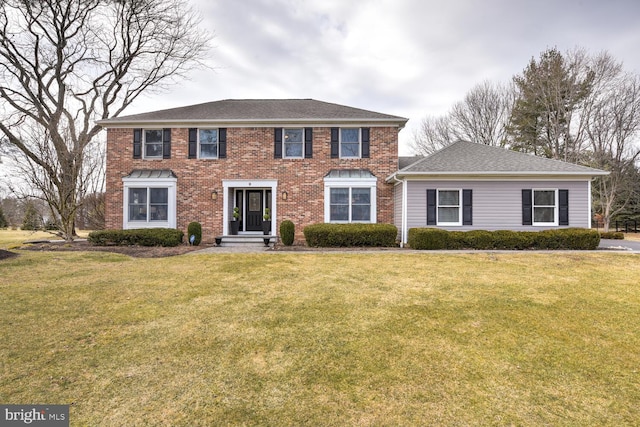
point(152, 141)
point(208, 143)
point(350, 143)
point(293, 143)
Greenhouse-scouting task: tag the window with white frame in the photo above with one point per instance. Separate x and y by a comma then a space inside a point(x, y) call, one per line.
point(148, 204)
point(208, 143)
point(293, 143)
point(449, 204)
point(350, 142)
point(350, 196)
point(149, 199)
point(152, 142)
point(545, 210)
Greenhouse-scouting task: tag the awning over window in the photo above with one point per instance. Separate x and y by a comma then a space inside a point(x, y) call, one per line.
point(151, 174)
point(349, 173)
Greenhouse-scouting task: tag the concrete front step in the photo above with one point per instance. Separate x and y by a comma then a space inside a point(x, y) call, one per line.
point(246, 240)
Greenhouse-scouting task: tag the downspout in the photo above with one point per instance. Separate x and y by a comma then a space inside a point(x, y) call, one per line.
point(403, 210)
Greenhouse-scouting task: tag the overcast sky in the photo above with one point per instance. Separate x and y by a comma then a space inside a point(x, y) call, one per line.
point(409, 58)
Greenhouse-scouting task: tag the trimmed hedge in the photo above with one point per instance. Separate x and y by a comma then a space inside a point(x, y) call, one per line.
point(348, 235)
point(565, 238)
point(139, 236)
point(287, 232)
point(194, 229)
point(615, 235)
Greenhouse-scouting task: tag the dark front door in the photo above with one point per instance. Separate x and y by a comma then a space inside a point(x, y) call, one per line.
point(254, 208)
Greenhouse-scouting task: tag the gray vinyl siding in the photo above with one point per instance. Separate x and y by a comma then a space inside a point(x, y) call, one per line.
point(497, 205)
point(397, 206)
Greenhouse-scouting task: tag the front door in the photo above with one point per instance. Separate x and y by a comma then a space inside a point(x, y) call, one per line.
point(254, 208)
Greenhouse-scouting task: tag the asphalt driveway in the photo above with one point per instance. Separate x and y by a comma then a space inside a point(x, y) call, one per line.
point(626, 245)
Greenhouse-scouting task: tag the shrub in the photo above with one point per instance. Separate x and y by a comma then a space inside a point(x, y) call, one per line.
point(568, 238)
point(195, 229)
point(140, 237)
point(616, 235)
point(349, 235)
point(287, 232)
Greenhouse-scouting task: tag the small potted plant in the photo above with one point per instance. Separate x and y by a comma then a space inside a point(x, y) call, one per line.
point(266, 221)
point(234, 224)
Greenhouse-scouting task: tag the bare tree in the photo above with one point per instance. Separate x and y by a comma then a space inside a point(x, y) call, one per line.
point(481, 117)
point(66, 63)
point(613, 128)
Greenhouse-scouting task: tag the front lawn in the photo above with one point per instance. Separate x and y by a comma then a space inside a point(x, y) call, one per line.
point(324, 339)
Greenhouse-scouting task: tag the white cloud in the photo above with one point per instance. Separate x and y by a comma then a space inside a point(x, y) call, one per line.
point(402, 57)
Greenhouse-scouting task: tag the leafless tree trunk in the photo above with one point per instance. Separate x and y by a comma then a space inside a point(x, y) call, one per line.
point(66, 63)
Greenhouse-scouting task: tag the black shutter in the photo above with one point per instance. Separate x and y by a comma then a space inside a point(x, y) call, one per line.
point(365, 143)
point(137, 143)
point(277, 143)
point(166, 143)
point(193, 143)
point(431, 207)
point(527, 207)
point(222, 143)
point(467, 207)
point(335, 144)
point(308, 143)
point(563, 203)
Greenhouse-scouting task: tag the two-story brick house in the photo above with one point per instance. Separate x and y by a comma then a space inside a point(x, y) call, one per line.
point(307, 161)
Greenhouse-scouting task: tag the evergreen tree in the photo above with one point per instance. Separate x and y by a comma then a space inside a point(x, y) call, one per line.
point(550, 93)
point(3, 219)
point(32, 220)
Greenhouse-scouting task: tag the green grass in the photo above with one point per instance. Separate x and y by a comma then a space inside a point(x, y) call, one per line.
point(324, 339)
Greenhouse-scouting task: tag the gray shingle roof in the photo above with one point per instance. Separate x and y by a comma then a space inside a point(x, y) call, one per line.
point(404, 161)
point(465, 158)
point(258, 110)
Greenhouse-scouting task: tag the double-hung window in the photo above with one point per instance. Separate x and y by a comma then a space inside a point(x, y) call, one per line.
point(350, 142)
point(208, 143)
point(545, 210)
point(449, 207)
point(293, 143)
point(152, 141)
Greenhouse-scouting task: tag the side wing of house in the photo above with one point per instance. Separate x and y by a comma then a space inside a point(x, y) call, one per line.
point(519, 205)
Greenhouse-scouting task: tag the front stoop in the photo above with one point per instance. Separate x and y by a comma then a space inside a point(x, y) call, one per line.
point(246, 240)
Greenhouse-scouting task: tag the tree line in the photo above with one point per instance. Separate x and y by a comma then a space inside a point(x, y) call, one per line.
point(572, 106)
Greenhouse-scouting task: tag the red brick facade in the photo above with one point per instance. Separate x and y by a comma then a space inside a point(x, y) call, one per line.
point(249, 156)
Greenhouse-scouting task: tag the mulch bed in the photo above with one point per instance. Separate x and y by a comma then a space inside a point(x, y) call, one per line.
point(134, 251)
point(6, 254)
